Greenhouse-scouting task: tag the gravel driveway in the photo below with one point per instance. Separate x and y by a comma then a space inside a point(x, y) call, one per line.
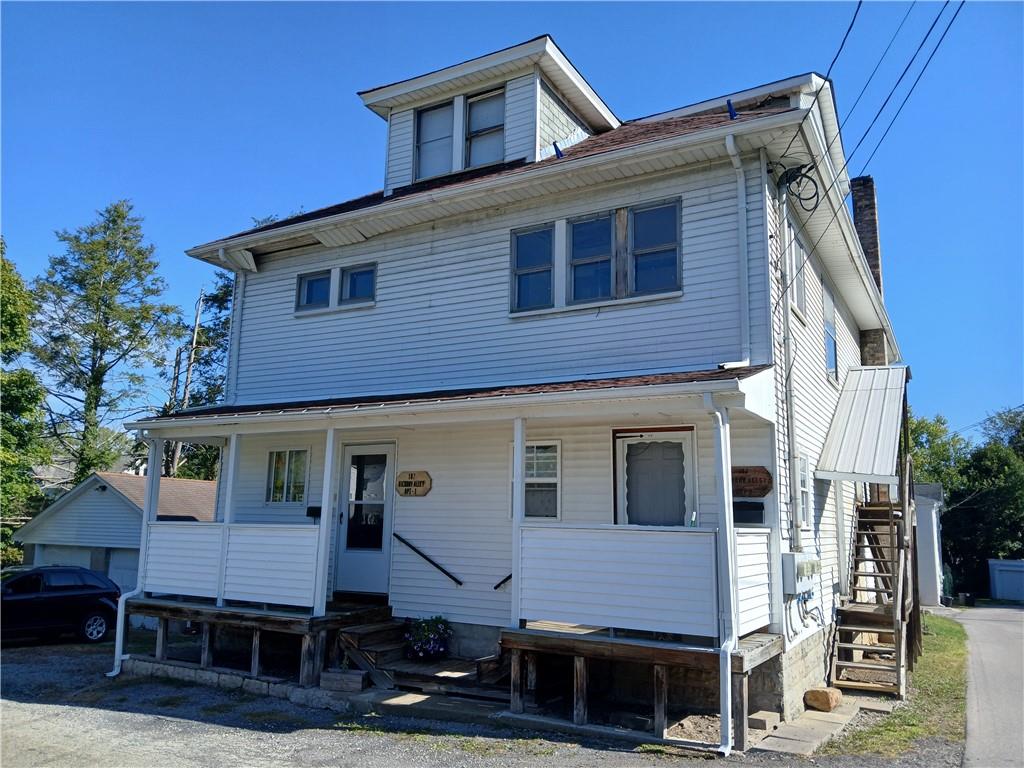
point(59, 710)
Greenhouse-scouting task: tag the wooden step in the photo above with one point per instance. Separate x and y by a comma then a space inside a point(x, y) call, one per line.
point(862, 609)
point(881, 664)
point(362, 635)
point(355, 615)
point(382, 653)
point(877, 629)
point(860, 686)
point(886, 590)
point(874, 574)
point(868, 648)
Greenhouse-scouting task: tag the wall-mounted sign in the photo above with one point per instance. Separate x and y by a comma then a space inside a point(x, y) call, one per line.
point(416, 483)
point(751, 482)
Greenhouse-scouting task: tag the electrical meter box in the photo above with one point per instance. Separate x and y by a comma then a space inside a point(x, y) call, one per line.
point(799, 572)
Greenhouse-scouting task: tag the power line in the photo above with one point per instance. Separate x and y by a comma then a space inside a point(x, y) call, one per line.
point(878, 113)
point(828, 72)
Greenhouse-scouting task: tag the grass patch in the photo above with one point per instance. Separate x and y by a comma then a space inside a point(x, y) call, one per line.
point(220, 708)
point(937, 703)
point(171, 701)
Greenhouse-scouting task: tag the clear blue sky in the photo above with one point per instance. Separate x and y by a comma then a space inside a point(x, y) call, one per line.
point(208, 114)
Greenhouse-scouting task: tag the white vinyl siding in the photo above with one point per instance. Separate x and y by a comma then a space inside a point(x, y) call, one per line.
point(520, 118)
point(250, 493)
point(93, 518)
point(401, 128)
point(443, 295)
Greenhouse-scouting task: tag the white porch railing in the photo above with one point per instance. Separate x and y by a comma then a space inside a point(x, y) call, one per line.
point(753, 579)
point(256, 563)
point(630, 577)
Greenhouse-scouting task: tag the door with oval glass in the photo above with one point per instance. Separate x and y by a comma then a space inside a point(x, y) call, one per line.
point(364, 533)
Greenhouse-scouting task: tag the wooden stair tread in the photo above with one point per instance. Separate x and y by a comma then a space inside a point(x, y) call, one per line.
point(861, 686)
point(880, 665)
point(868, 647)
point(878, 610)
point(878, 628)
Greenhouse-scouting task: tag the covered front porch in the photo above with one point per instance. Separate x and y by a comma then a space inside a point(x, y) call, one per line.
point(608, 506)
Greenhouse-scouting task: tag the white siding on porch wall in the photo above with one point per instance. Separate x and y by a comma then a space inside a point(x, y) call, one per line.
point(816, 397)
point(441, 318)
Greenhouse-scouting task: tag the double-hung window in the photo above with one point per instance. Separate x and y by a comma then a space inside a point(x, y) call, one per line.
point(434, 127)
point(532, 264)
point(796, 269)
point(542, 479)
point(287, 472)
point(804, 478)
point(358, 283)
point(485, 129)
point(592, 249)
point(654, 249)
point(831, 349)
point(314, 290)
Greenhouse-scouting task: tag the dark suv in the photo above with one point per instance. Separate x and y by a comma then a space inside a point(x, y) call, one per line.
point(50, 600)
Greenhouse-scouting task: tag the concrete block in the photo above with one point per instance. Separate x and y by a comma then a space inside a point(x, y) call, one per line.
point(349, 680)
point(185, 674)
point(206, 677)
point(229, 681)
point(823, 699)
point(764, 720)
point(280, 690)
point(252, 685)
point(160, 670)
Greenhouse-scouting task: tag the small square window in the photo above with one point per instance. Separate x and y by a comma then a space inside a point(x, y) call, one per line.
point(359, 283)
point(314, 290)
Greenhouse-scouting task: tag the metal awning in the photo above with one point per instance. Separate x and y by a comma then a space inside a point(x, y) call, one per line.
point(863, 440)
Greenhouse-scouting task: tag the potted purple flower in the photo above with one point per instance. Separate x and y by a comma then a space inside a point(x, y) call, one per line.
point(427, 639)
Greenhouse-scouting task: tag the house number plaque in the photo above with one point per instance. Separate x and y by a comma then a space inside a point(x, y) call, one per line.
point(416, 483)
point(751, 482)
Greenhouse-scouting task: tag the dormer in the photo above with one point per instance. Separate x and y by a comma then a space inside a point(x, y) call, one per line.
point(511, 106)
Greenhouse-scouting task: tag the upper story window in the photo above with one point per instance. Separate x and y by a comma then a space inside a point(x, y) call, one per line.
point(434, 129)
point(831, 348)
point(532, 268)
point(606, 263)
point(806, 511)
point(314, 290)
point(485, 129)
point(796, 269)
point(358, 283)
point(286, 476)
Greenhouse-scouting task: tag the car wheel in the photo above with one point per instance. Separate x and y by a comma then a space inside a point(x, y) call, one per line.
point(94, 627)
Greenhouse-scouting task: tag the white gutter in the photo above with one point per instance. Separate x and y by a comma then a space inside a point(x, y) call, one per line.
point(795, 543)
point(150, 504)
point(468, 403)
point(743, 266)
point(726, 570)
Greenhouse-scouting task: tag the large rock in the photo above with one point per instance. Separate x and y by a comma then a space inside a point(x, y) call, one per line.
point(823, 699)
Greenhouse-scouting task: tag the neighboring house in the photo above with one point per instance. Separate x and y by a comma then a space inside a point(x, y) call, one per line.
point(565, 371)
point(98, 523)
point(931, 503)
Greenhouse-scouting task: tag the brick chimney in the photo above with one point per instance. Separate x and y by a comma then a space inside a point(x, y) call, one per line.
point(865, 219)
point(873, 347)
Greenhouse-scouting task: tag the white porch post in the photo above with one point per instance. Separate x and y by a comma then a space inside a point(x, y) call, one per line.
point(518, 505)
point(327, 515)
point(230, 474)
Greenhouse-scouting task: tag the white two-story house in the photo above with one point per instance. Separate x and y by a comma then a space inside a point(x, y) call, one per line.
point(565, 376)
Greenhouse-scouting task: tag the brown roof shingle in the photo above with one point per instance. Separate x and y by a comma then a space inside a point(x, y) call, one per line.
point(196, 499)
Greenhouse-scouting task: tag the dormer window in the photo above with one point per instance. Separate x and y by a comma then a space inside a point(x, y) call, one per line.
point(434, 140)
point(485, 129)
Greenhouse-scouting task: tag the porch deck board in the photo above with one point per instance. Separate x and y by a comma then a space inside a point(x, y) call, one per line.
point(275, 619)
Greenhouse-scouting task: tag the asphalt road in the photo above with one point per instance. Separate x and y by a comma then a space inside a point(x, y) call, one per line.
point(995, 686)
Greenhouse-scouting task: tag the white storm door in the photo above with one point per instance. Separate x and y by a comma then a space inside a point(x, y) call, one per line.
point(656, 478)
point(366, 508)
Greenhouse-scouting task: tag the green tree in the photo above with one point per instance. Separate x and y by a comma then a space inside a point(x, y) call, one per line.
point(100, 325)
point(939, 455)
point(21, 418)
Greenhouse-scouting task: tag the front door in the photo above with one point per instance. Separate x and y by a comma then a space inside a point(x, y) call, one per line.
point(655, 478)
point(364, 531)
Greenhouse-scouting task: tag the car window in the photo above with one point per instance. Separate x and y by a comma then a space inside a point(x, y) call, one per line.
point(60, 581)
point(94, 580)
point(26, 585)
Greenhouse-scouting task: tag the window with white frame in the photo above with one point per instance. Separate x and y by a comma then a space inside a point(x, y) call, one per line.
point(314, 290)
point(806, 510)
point(485, 129)
point(543, 479)
point(831, 347)
point(796, 270)
point(532, 263)
point(287, 476)
point(358, 283)
point(434, 129)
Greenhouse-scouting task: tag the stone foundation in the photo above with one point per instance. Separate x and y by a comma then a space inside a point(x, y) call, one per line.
point(803, 666)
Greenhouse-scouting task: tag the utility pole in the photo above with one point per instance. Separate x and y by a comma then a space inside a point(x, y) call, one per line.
point(176, 457)
point(172, 404)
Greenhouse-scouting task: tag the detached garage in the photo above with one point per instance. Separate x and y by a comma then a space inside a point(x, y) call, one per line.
point(97, 524)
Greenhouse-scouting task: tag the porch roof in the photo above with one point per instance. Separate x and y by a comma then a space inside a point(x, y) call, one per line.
point(652, 384)
point(862, 442)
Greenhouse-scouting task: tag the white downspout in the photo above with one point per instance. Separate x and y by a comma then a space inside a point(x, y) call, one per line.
point(795, 541)
point(150, 503)
point(726, 569)
point(518, 508)
point(743, 265)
